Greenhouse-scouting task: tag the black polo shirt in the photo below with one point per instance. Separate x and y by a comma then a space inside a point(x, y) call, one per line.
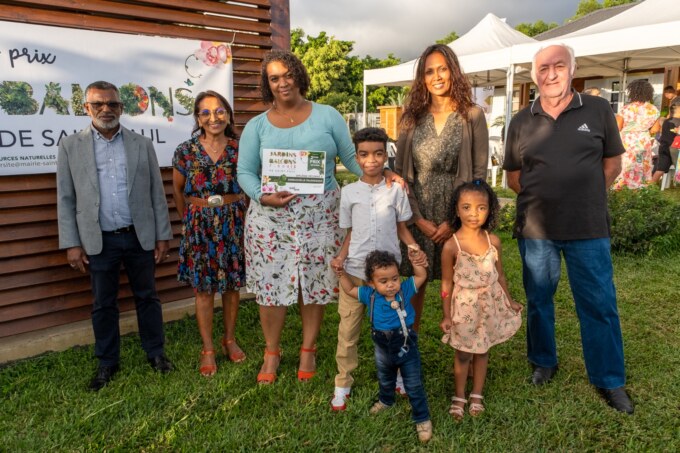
point(563, 196)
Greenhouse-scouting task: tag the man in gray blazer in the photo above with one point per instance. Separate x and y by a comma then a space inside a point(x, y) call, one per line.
point(112, 210)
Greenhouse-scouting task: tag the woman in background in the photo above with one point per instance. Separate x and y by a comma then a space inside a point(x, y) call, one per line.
point(638, 122)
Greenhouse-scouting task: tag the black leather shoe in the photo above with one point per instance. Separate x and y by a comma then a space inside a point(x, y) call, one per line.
point(542, 375)
point(161, 363)
point(103, 377)
point(618, 399)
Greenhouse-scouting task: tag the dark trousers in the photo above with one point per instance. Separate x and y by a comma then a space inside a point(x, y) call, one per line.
point(388, 345)
point(104, 273)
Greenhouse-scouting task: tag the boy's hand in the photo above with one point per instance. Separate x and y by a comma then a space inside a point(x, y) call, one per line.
point(338, 264)
point(445, 325)
point(417, 256)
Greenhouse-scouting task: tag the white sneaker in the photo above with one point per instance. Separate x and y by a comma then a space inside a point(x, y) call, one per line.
point(339, 401)
point(400, 389)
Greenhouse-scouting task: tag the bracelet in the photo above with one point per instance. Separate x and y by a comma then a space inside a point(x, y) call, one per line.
point(444, 295)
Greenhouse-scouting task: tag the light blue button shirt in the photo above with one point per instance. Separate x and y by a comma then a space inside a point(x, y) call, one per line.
point(114, 212)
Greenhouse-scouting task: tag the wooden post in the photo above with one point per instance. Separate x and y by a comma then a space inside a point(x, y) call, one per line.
point(280, 12)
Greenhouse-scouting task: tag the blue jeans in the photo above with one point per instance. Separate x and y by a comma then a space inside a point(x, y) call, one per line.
point(104, 274)
point(589, 267)
point(388, 345)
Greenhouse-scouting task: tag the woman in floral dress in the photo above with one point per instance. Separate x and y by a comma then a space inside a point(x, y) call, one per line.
point(638, 122)
point(212, 207)
point(444, 143)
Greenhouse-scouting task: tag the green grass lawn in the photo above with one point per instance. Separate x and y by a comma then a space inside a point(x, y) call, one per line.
point(45, 404)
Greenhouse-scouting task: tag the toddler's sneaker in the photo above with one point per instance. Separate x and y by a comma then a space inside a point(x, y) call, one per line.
point(339, 401)
point(400, 389)
point(424, 430)
point(378, 406)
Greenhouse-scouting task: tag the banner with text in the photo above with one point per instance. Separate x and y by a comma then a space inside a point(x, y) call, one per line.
point(44, 72)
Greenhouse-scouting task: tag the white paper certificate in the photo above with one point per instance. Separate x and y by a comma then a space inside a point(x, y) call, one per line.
point(292, 170)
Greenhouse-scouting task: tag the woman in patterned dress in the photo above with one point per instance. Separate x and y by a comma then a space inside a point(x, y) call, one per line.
point(212, 207)
point(290, 239)
point(444, 142)
point(638, 122)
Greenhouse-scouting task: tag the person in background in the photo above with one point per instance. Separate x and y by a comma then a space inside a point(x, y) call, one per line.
point(638, 122)
point(111, 210)
point(563, 152)
point(444, 143)
point(668, 155)
point(592, 91)
point(211, 205)
point(671, 95)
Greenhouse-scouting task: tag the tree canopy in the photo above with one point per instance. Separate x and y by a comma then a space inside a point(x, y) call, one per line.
point(588, 6)
point(336, 78)
point(448, 38)
point(536, 28)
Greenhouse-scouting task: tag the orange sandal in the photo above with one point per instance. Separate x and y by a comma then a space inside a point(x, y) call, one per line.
point(208, 370)
point(269, 378)
point(304, 376)
point(236, 357)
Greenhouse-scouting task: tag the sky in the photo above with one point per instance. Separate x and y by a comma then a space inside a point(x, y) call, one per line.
point(406, 27)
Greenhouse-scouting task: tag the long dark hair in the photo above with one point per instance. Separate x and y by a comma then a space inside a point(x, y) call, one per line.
point(479, 186)
point(198, 129)
point(294, 66)
point(419, 99)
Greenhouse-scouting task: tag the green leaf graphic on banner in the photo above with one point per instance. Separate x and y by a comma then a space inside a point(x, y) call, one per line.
point(282, 180)
point(316, 161)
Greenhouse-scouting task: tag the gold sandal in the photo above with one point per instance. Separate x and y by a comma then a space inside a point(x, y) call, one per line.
point(457, 412)
point(476, 409)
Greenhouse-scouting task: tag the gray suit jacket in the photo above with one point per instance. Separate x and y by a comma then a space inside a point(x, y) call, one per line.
point(78, 192)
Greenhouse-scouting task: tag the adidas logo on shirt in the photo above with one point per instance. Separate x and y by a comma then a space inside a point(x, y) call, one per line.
point(583, 128)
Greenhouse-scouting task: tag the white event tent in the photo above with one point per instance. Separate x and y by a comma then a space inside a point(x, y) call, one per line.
point(643, 37)
point(484, 53)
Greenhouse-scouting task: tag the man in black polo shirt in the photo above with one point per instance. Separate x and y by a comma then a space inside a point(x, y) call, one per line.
point(562, 153)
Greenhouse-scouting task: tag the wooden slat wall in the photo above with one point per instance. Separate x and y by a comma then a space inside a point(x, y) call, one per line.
point(37, 287)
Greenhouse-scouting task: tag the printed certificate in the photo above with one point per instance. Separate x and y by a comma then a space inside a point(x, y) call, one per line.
point(295, 171)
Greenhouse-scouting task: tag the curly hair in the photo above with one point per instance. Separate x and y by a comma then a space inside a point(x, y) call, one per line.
point(370, 134)
point(419, 98)
point(379, 259)
point(640, 91)
point(295, 68)
point(479, 186)
point(198, 129)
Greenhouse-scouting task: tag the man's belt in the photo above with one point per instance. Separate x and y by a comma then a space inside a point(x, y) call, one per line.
point(127, 229)
point(215, 201)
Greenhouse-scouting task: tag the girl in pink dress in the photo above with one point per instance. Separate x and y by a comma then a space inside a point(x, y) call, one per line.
point(478, 309)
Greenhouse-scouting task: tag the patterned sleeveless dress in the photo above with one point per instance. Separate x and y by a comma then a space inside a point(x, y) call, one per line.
point(481, 314)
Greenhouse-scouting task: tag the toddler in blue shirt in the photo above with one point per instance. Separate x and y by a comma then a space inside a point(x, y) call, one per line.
point(396, 343)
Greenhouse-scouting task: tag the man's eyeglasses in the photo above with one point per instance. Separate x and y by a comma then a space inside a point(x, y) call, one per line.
point(219, 113)
point(110, 105)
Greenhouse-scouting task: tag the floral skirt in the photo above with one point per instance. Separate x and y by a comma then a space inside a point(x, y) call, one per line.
point(290, 249)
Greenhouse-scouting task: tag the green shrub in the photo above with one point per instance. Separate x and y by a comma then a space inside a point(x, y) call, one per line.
point(506, 218)
point(345, 177)
point(643, 221)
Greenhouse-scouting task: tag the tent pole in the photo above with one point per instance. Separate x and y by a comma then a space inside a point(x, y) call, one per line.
point(622, 89)
point(509, 83)
point(363, 122)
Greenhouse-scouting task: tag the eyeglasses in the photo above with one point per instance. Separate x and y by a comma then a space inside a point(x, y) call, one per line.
point(219, 113)
point(110, 105)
